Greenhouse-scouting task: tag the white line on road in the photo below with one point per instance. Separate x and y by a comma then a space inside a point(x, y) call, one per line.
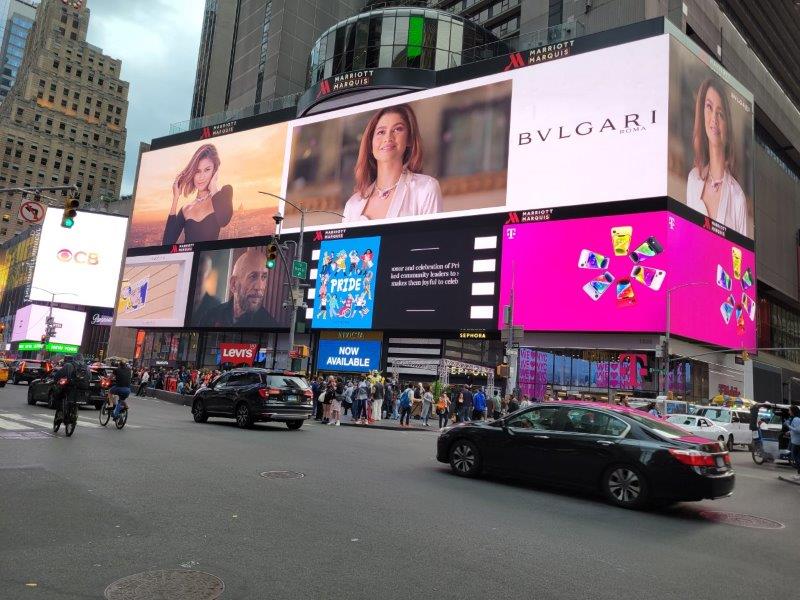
point(12, 426)
point(16, 417)
point(81, 421)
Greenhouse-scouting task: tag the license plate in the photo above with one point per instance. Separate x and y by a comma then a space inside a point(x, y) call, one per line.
point(720, 461)
point(291, 398)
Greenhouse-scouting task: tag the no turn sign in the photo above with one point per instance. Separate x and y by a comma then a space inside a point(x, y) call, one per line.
point(32, 211)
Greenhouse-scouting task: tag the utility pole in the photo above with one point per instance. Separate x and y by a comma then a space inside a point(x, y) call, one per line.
point(511, 350)
point(50, 324)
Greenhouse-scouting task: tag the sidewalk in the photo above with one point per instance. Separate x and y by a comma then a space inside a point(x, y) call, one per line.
point(390, 424)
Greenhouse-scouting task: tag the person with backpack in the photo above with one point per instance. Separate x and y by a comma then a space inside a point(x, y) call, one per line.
point(404, 402)
point(75, 378)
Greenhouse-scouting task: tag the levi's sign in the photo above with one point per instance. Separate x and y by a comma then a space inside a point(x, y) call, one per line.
point(353, 356)
point(238, 353)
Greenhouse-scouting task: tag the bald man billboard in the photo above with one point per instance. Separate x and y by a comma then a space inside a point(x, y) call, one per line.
point(234, 289)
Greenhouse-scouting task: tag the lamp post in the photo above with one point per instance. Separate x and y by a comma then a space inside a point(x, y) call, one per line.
point(49, 327)
point(294, 282)
point(665, 351)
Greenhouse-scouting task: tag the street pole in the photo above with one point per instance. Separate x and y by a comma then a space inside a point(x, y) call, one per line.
point(511, 351)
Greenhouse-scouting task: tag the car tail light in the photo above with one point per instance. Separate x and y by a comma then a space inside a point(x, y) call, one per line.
point(694, 458)
point(22, 367)
point(265, 392)
point(308, 394)
point(105, 382)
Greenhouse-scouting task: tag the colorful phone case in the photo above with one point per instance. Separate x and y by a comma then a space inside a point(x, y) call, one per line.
point(739, 320)
point(749, 306)
point(625, 294)
point(736, 255)
point(747, 279)
point(648, 249)
point(598, 286)
point(726, 310)
point(723, 279)
point(592, 260)
point(652, 278)
point(621, 239)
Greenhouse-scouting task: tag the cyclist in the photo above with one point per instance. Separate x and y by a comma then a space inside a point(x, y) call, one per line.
point(65, 394)
point(121, 387)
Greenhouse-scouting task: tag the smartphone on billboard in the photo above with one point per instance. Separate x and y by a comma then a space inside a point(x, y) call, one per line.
point(625, 294)
point(652, 278)
point(736, 255)
point(621, 239)
point(598, 286)
point(739, 319)
point(723, 279)
point(749, 306)
point(592, 260)
point(648, 249)
point(727, 310)
point(747, 279)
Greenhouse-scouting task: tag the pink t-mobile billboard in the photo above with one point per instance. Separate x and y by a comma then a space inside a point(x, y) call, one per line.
point(613, 274)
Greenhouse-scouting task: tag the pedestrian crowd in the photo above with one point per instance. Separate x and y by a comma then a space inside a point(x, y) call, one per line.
point(182, 380)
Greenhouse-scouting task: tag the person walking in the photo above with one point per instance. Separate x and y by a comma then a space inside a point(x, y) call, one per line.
point(443, 409)
point(460, 407)
point(468, 403)
point(336, 403)
point(405, 401)
point(427, 404)
point(362, 396)
point(327, 399)
point(497, 405)
point(144, 379)
point(479, 405)
point(378, 392)
point(793, 423)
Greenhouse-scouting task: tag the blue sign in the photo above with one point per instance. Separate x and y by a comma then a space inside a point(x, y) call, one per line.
point(352, 356)
point(345, 291)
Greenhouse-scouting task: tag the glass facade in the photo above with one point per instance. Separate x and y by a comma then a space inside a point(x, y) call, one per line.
point(416, 38)
point(13, 49)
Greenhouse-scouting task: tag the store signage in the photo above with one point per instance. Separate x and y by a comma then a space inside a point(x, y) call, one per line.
point(30, 346)
point(102, 319)
point(238, 353)
point(353, 356)
point(49, 347)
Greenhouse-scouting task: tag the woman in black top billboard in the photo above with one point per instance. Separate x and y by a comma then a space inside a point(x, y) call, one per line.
point(201, 219)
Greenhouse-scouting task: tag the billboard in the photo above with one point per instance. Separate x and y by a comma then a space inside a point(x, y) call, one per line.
point(154, 290)
point(30, 323)
point(433, 276)
point(349, 356)
point(234, 289)
point(80, 264)
point(209, 190)
point(613, 273)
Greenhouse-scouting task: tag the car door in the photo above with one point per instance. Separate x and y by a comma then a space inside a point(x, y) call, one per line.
point(230, 392)
point(741, 434)
point(585, 445)
point(525, 448)
point(212, 395)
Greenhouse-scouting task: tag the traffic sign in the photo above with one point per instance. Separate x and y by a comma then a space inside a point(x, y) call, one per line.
point(31, 211)
point(299, 269)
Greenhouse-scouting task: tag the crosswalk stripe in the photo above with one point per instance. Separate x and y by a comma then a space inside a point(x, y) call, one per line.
point(12, 425)
point(81, 421)
point(16, 417)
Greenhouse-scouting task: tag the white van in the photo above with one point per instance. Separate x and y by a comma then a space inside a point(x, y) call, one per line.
point(736, 421)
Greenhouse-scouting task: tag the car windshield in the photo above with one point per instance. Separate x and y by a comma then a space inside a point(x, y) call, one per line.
point(288, 381)
point(721, 415)
point(682, 420)
point(665, 428)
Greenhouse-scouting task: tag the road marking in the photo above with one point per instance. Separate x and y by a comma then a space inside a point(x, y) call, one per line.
point(12, 426)
point(16, 417)
point(81, 421)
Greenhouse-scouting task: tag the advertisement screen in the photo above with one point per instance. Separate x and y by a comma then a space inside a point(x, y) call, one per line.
point(30, 323)
point(209, 190)
point(613, 274)
point(352, 356)
point(431, 276)
point(235, 289)
point(154, 290)
point(711, 142)
point(81, 263)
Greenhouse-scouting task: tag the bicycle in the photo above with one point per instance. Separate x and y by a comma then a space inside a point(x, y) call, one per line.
point(105, 414)
point(67, 414)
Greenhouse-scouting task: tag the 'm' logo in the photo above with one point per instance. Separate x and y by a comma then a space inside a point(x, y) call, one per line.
point(513, 219)
point(707, 223)
point(515, 61)
point(511, 233)
point(174, 249)
point(324, 89)
point(207, 133)
point(318, 236)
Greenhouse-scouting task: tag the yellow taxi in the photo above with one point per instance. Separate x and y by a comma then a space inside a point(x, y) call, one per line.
point(4, 372)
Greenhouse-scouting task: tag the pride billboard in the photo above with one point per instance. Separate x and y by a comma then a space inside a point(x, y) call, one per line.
point(613, 274)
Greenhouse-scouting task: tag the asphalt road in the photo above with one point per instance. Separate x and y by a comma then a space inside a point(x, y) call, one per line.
point(374, 517)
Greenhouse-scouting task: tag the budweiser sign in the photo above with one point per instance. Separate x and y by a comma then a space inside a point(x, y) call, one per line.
point(238, 353)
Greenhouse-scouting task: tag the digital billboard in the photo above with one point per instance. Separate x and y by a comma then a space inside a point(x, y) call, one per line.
point(613, 274)
point(349, 355)
point(433, 276)
point(209, 189)
point(81, 264)
point(30, 323)
point(154, 290)
point(234, 289)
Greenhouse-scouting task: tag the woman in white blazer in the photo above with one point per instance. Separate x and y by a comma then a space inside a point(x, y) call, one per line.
point(711, 188)
point(388, 178)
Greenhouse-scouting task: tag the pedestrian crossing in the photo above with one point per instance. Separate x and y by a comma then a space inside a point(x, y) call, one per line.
point(16, 423)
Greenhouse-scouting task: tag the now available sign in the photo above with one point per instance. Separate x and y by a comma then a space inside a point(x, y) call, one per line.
point(238, 354)
point(351, 356)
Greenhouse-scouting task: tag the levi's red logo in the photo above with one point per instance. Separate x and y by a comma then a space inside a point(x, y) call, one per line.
point(238, 353)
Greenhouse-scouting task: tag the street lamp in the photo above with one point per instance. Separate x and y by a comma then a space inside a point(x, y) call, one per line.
point(294, 282)
point(664, 386)
point(48, 329)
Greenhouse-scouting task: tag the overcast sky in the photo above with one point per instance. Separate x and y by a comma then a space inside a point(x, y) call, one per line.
point(157, 42)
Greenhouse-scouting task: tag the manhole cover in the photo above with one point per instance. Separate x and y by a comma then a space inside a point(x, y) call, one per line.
point(282, 475)
point(166, 584)
point(740, 520)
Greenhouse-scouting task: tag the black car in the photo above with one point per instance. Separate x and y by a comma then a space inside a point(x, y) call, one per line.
point(28, 370)
point(631, 458)
point(251, 394)
point(44, 390)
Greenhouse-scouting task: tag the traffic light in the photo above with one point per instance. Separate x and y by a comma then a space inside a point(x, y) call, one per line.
point(272, 254)
point(70, 212)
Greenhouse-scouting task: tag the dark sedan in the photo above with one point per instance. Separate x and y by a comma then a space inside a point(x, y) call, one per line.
point(28, 370)
point(44, 390)
point(631, 458)
point(253, 394)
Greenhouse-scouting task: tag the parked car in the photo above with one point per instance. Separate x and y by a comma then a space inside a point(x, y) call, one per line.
point(252, 394)
point(44, 390)
point(631, 458)
point(735, 421)
point(29, 369)
point(700, 426)
point(4, 371)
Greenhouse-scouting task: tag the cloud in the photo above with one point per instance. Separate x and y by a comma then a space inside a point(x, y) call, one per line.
point(157, 42)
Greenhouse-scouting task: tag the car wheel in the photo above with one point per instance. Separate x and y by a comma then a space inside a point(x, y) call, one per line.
point(2, 384)
point(243, 417)
point(31, 400)
point(730, 443)
point(465, 459)
point(51, 400)
point(625, 486)
point(199, 412)
point(294, 424)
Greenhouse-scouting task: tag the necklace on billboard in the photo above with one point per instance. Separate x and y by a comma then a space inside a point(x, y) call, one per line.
point(383, 193)
point(715, 183)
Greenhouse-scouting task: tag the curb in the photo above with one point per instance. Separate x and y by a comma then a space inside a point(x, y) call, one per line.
point(384, 427)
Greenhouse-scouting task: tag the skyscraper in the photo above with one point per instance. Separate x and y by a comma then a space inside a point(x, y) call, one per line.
point(16, 21)
point(64, 121)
